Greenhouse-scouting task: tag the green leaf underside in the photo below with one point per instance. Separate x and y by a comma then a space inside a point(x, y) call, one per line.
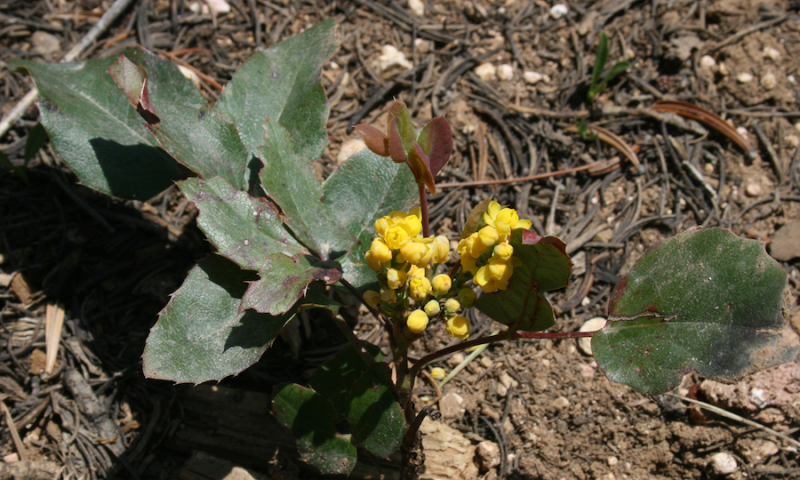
point(335, 378)
point(282, 84)
point(703, 300)
point(282, 281)
point(244, 229)
point(200, 334)
point(365, 188)
point(373, 413)
point(311, 419)
point(203, 141)
point(97, 132)
point(291, 183)
point(545, 266)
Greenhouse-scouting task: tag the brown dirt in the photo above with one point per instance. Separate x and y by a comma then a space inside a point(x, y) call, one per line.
point(545, 403)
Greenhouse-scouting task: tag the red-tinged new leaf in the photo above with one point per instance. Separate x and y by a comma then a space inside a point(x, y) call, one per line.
point(396, 149)
point(421, 167)
point(436, 140)
point(132, 80)
point(405, 127)
point(375, 140)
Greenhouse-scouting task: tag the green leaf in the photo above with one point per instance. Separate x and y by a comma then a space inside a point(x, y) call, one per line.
point(312, 418)
point(618, 68)
point(200, 334)
point(365, 188)
point(37, 137)
point(316, 298)
point(283, 280)
point(374, 414)
point(545, 266)
point(291, 183)
point(583, 130)
point(599, 64)
point(244, 229)
point(97, 132)
point(335, 378)
point(282, 84)
point(703, 300)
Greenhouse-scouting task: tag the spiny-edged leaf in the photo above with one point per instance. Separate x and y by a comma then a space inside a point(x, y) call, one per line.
point(545, 266)
point(703, 300)
point(97, 132)
point(365, 188)
point(312, 418)
point(436, 140)
point(374, 414)
point(291, 183)
point(335, 378)
point(244, 229)
point(282, 281)
point(37, 137)
point(282, 84)
point(132, 80)
point(200, 334)
point(203, 141)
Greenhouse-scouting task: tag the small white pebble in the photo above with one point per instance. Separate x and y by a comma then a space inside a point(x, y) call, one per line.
point(560, 403)
point(743, 132)
point(791, 79)
point(771, 53)
point(532, 78)
point(591, 325)
point(558, 11)
point(505, 72)
point(792, 140)
point(723, 463)
point(753, 189)
point(612, 461)
point(423, 46)
point(709, 168)
point(390, 59)
point(707, 61)
point(334, 66)
point(218, 6)
point(723, 70)
point(486, 71)
point(417, 6)
point(744, 78)
point(768, 81)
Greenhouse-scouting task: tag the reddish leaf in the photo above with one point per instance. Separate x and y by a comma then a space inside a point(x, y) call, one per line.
point(132, 80)
point(405, 127)
point(396, 150)
point(421, 167)
point(436, 140)
point(375, 140)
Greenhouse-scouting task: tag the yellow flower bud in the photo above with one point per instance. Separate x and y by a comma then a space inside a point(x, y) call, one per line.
point(441, 284)
point(396, 237)
point(485, 280)
point(468, 264)
point(417, 321)
point(452, 305)
point(526, 224)
point(415, 271)
point(503, 250)
point(389, 296)
point(415, 253)
point(476, 246)
point(382, 225)
point(432, 308)
point(380, 251)
point(412, 224)
point(506, 220)
point(372, 298)
point(373, 264)
point(419, 288)
point(458, 326)
point(395, 278)
point(488, 236)
point(441, 249)
point(438, 373)
point(467, 297)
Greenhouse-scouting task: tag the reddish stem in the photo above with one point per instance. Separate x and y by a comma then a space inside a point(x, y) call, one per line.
point(552, 334)
point(423, 206)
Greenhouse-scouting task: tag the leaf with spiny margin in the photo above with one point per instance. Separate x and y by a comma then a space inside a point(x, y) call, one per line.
point(282, 84)
point(374, 414)
point(335, 378)
point(291, 183)
point(283, 280)
point(200, 335)
point(312, 420)
point(704, 300)
point(244, 229)
point(97, 132)
point(363, 189)
point(317, 298)
point(545, 266)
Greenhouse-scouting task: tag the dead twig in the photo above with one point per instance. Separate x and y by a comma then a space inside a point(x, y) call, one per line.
point(615, 141)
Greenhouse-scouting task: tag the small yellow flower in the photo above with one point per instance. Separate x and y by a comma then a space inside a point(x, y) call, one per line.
point(441, 249)
point(417, 253)
point(441, 284)
point(415, 271)
point(396, 237)
point(451, 305)
point(396, 278)
point(438, 373)
point(417, 321)
point(380, 251)
point(488, 236)
point(419, 288)
point(432, 308)
point(389, 297)
point(467, 297)
point(504, 219)
point(373, 264)
point(458, 326)
point(468, 264)
point(382, 225)
point(503, 250)
point(372, 298)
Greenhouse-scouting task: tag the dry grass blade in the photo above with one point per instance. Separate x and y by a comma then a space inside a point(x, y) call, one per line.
point(711, 119)
point(54, 322)
point(21, 450)
point(613, 140)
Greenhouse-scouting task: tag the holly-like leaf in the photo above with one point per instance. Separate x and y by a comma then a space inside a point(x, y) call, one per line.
point(282, 84)
point(244, 229)
point(365, 188)
point(436, 140)
point(335, 378)
point(200, 334)
point(374, 414)
point(703, 300)
point(283, 280)
point(291, 183)
point(97, 132)
point(545, 266)
point(312, 421)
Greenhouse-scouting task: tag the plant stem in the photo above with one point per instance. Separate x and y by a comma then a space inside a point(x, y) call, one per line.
point(387, 324)
point(353, 340)
point(555, 335)
point(455, 348)
point(423, 206)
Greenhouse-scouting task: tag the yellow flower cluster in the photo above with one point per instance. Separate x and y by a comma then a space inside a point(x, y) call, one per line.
point(486, 254)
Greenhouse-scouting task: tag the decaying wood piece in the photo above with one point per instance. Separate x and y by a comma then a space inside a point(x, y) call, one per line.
point(95, 410)
point(448, 454)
